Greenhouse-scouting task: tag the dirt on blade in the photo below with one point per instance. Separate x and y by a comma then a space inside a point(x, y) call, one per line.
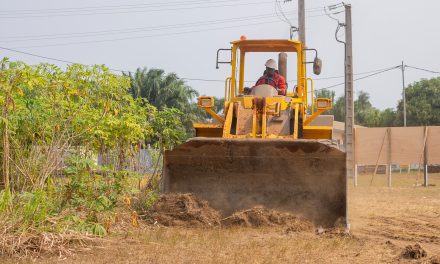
point(183, 210)
point(260, 216)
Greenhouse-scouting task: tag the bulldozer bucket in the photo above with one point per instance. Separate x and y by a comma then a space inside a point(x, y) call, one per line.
point(303, 177)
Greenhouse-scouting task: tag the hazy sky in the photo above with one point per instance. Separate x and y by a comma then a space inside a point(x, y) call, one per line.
point(183, 36)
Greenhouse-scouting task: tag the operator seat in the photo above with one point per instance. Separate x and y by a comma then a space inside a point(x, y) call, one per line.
point(264, 90)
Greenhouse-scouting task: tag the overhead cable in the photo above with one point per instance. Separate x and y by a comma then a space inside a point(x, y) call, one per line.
point(421, 69)
point(131, 30)
point(375, 72)
point(145, 36)
point(88, 13)
point(360, 78)
point(126, 6)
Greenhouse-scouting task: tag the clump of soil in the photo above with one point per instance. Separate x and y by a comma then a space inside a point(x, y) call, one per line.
point(333, 232)
point(434, 260)
point(260, 216)
point(186, 210)
point(414, 252)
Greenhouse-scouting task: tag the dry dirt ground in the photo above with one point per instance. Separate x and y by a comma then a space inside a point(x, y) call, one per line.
point(383, 221)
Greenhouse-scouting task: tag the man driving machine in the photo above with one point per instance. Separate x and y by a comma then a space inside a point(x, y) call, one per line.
point(273, 78)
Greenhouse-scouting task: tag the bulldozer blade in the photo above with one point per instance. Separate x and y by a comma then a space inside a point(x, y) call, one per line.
point(303, 177)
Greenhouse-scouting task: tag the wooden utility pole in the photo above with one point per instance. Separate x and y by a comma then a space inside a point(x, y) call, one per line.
point(403, 94)
point(349, 105)
point(302, 22)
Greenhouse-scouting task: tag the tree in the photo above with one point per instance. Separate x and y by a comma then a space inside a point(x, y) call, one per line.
point(388, 117)
point(422, 103)
point(339, 109)
point(363, 109)
point(422, 107)
point(165, 91)
point(219, 105)
point(49, 113)
point(324, 93)
point(364, 113)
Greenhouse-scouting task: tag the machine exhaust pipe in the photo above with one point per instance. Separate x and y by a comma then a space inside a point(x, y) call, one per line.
point(282, 64)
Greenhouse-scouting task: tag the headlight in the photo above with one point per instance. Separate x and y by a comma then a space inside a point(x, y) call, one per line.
point(323, 104)
point(205, 101)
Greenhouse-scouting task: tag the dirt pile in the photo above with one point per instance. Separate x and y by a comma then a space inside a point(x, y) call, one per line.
point(260, 216)
point(183, 210)
point(413, 252)
point(186, 210)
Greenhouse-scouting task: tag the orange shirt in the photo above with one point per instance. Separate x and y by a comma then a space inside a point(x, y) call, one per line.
point(276, 81)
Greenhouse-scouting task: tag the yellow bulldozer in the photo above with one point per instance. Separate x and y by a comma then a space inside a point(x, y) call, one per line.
point(264, 150)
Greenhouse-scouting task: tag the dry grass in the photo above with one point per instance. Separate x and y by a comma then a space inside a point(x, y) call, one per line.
point(383, 220)
point(34, 245)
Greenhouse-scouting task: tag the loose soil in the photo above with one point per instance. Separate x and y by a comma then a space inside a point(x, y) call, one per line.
point(434, 260)
point(183, 210)
point(260, 216)
point(414, 252)
point(186, 210)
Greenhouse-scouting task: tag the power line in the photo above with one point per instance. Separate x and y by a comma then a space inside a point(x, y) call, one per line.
point(137, 29)
point(359, 73)
point(204, 5)
point(283, 16)
point(146, 36)
point(130, 6)
point(118, 7)
point(150, 36)
point(115, 7)
point(375, 72)
point(131, 30)
point(205, 80)
point(38, 56)
point(361, 78)
point(88, 13)
point(193, 79)
point(315, 79)
point(421, 69)
point(55, 59)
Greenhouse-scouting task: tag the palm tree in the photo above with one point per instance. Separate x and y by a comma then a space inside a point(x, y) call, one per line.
point(160, 89)
point(165, 91)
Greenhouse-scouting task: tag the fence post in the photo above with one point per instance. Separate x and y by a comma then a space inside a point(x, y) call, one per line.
point(389, 158)
point(425, 160)
point(389, 174)
point(355, 175)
